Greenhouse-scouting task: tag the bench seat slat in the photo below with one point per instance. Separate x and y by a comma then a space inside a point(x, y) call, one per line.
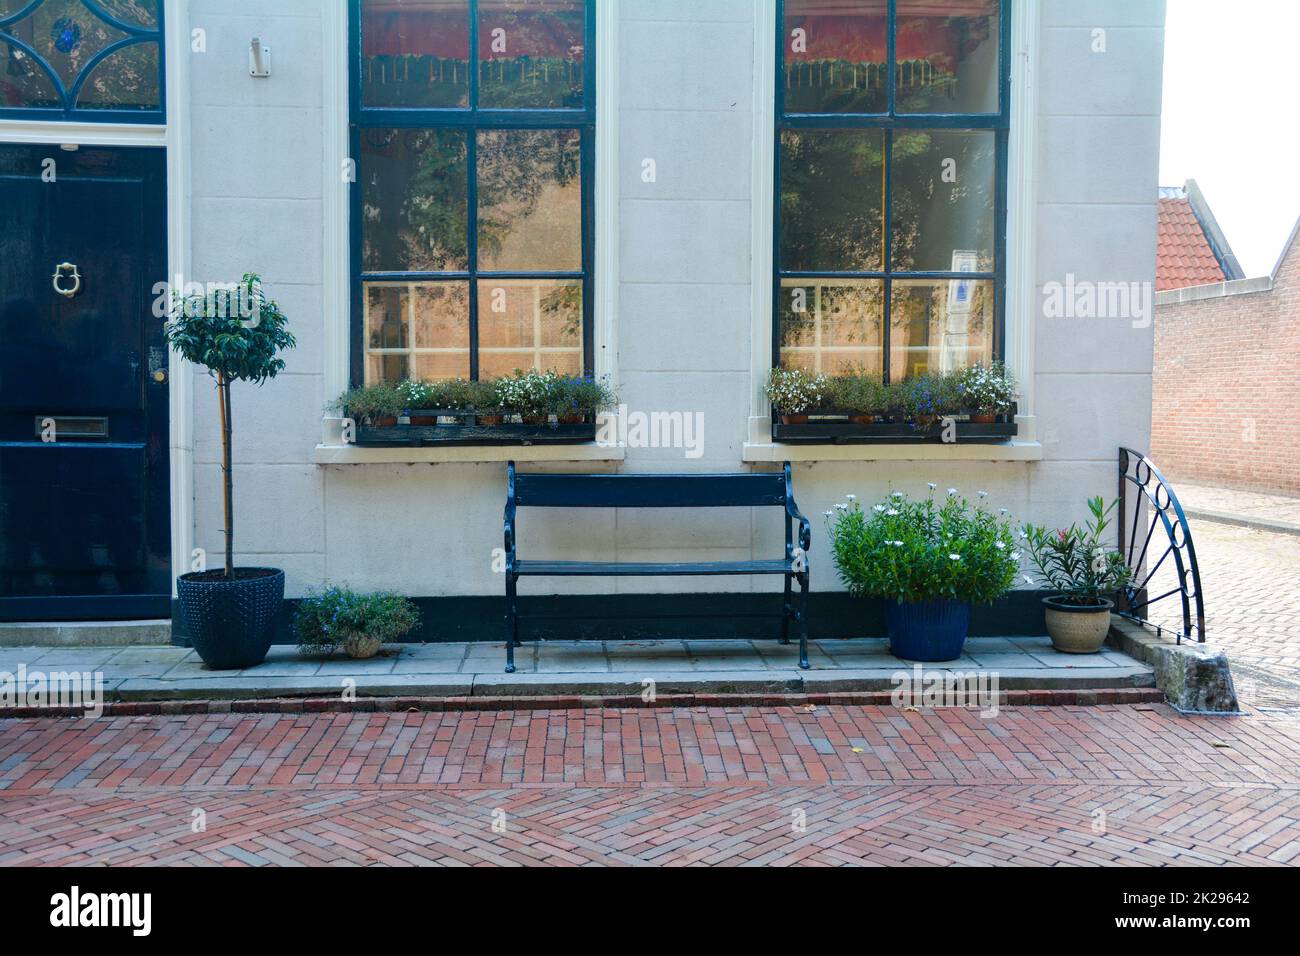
point(646, 569)
point(649, 491)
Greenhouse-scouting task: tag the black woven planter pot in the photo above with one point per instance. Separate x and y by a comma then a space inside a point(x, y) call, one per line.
point(231, 622)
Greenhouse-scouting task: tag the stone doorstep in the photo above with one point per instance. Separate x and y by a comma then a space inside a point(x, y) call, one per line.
point(87, 634)
point(1194, 677)
point(1114, 696)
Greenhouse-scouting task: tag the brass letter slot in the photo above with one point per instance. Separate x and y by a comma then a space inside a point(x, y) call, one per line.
point(53, 428)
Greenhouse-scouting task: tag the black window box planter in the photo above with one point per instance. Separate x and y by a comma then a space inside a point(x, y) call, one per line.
point(461, 428)
point(838, 431)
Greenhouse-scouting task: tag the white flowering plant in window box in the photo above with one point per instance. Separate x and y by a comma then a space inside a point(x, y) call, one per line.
point(793, 391)
point(987, 390)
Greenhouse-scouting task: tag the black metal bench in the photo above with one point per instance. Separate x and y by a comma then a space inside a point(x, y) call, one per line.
point(659, 491)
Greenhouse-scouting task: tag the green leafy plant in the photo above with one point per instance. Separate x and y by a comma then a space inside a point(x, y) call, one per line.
point(1074, 562)
point(793, 391)
point(989, 389)
point(237, 336)
point(583, 396)
point(913, 551)
point(925, 397)
point(372, 402)
point(328, 618)
point(856, 393)
point(482, 397)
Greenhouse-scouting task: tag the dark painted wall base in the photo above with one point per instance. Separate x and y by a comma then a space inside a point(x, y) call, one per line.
point(641, 616)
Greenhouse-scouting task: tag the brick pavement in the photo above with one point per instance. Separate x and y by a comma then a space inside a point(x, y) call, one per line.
point(1133, 785)
point(1250, 581)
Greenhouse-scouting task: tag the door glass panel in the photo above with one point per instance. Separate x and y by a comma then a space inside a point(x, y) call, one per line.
point(531, 54)
point(415, 53)
point(60, 40)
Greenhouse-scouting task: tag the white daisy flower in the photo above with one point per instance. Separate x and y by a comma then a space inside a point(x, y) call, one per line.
point(851, 497)
point(955, 557)
point(896, 494)
point(952, 492)
point(1004, 512)
point(879, 509)
point(931, 485)
point(829, 514)
point(999, 545)
point(1015, 555)
point(841, 507)
point(1028, 579)
point(983, 494)
point(893, 512)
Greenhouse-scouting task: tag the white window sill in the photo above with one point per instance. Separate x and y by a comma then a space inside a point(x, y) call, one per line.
point(365, 455)
point(1018, 450)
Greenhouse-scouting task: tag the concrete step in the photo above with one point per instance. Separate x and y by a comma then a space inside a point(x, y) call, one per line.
point(584, 668)
point(86, 634)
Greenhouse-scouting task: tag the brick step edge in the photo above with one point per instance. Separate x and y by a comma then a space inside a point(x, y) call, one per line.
point(334, 705)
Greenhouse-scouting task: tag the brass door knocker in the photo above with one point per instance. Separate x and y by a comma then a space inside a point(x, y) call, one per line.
point(59, 270)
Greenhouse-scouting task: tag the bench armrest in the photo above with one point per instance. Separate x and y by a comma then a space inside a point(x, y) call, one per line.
point(793, 513)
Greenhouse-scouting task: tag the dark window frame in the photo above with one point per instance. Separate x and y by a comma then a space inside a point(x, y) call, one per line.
point(472, 119)
point(70, 112)
point(888, 122)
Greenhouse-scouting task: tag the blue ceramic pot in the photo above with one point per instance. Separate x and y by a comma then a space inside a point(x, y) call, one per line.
point(929, 631)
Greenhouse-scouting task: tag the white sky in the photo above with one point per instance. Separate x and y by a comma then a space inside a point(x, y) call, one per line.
point(1230, 118)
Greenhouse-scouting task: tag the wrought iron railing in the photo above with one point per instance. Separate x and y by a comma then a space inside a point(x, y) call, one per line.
point(1142, 486)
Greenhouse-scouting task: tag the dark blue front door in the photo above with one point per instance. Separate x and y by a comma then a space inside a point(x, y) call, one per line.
point(84, 494)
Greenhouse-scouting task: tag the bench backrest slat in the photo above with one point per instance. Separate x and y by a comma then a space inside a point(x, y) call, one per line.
point(649, 491)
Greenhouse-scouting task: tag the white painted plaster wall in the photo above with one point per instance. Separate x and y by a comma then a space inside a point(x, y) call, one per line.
point(686, 78)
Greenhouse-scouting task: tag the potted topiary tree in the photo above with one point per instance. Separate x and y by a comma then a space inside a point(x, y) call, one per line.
point(230, 613)
point(1084, 573)
point(928, 562)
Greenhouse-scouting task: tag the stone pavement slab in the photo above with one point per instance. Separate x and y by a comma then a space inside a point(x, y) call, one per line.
point(578, 667)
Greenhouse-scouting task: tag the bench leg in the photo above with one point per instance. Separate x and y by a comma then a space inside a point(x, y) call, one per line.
point(786, 609)
point(803, 621)
point(512, 622)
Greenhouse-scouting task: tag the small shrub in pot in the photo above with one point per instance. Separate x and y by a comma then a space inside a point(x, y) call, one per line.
point(230, 614)
point(930, 562)
point(359, 624)
point(1085, 574)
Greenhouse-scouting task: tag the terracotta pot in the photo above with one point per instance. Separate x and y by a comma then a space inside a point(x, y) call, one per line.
point(490, 419)
point(794, 419)
point(1077, 629)
point(984, 418)
point(362, 646)
point(384, 421)
point(573, 419)
point(424, 420)
point(862, 419)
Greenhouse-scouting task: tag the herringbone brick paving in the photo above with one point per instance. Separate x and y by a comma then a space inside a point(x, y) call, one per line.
point(1250, 581)
point(1124, 785)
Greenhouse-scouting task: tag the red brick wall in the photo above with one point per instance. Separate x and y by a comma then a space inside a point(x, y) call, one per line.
point(1226, 387)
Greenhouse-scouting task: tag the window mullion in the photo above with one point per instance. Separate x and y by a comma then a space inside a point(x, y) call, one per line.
point(471, 243)
point(887, 231)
